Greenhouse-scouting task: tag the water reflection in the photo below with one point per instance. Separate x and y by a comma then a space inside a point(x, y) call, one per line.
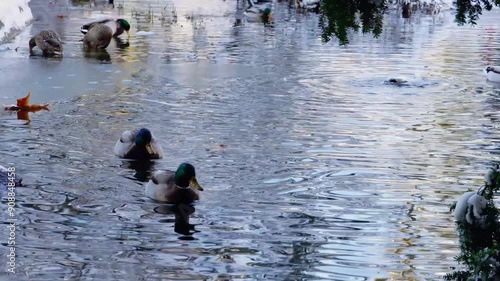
point(322, 165)
point(143, 168)
point(181, 213)
point(24, 115)
point(122, 43)
point(101, 55)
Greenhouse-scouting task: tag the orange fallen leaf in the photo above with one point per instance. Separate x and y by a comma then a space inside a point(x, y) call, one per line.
point(24, 104)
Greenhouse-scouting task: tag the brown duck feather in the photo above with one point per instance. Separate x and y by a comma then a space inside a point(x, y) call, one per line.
point(48, 41)
point(98, 36)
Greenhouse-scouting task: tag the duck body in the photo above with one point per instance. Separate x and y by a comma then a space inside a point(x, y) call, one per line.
point(493, 73)
point(117, 26)
point(176, 187)
point(98, 37)
point(138, 145)
point(48, 41)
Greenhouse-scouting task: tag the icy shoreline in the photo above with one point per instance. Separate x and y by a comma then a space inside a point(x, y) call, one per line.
point(14, 16)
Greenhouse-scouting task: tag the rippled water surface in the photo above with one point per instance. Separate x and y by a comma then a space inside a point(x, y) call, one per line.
point(313, 168)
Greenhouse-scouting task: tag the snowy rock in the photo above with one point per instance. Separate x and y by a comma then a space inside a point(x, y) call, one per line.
point(462, 206)
point(14, 16)
point(470, 208)
point(489, 177)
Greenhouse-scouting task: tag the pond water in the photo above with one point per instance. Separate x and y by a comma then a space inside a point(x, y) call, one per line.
point(313, 167)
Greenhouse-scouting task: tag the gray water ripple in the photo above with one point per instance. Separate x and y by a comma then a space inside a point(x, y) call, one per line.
point(313, 168)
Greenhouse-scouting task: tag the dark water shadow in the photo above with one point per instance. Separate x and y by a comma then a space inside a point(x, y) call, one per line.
point(122, 43)
point(143, 168)
point(101, 55)
point(37, 54)
point(182, 213)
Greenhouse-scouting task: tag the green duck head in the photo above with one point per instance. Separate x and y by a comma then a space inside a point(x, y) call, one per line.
point(143, 139)
point(186, 175)
point(267, 11)
point(125, 25)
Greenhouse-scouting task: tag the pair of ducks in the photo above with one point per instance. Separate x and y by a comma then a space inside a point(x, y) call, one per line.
point(98, 35)
point(166, 186)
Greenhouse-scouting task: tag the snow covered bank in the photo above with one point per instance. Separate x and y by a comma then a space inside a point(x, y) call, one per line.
point(14, 16)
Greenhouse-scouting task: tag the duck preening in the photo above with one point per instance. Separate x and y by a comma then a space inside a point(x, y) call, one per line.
point(48, 41)
point(176, 187)
point(138, 145)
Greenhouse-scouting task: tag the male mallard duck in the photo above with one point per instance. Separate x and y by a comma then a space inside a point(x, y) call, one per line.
point(48, 41)
point(493, 73)
point(258, 13)
point(139, 145)
point(98, 36)
point(117, 26)
point(174, 187)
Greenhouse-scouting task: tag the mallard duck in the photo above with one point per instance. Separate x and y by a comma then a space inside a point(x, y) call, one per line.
point(138, 144)
point(48, 41)
point(98, 36)
point(258, 13)
point(493, 73)
point(117, 26)
point(174, 187)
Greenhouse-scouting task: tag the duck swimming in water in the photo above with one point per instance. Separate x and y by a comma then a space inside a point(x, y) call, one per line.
point(176, 187)
point(139, 145)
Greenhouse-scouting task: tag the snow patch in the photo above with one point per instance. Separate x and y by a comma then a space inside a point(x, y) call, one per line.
point(14, 16)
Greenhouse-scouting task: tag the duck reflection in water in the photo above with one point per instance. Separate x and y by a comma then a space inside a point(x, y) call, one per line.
point(143, 168)
point(182, 212)
point(100, 54)
point(122, 43)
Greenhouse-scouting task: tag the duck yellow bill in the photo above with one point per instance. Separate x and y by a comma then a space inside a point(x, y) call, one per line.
point(128, 33)
point(150, 149)
point(195, 183)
